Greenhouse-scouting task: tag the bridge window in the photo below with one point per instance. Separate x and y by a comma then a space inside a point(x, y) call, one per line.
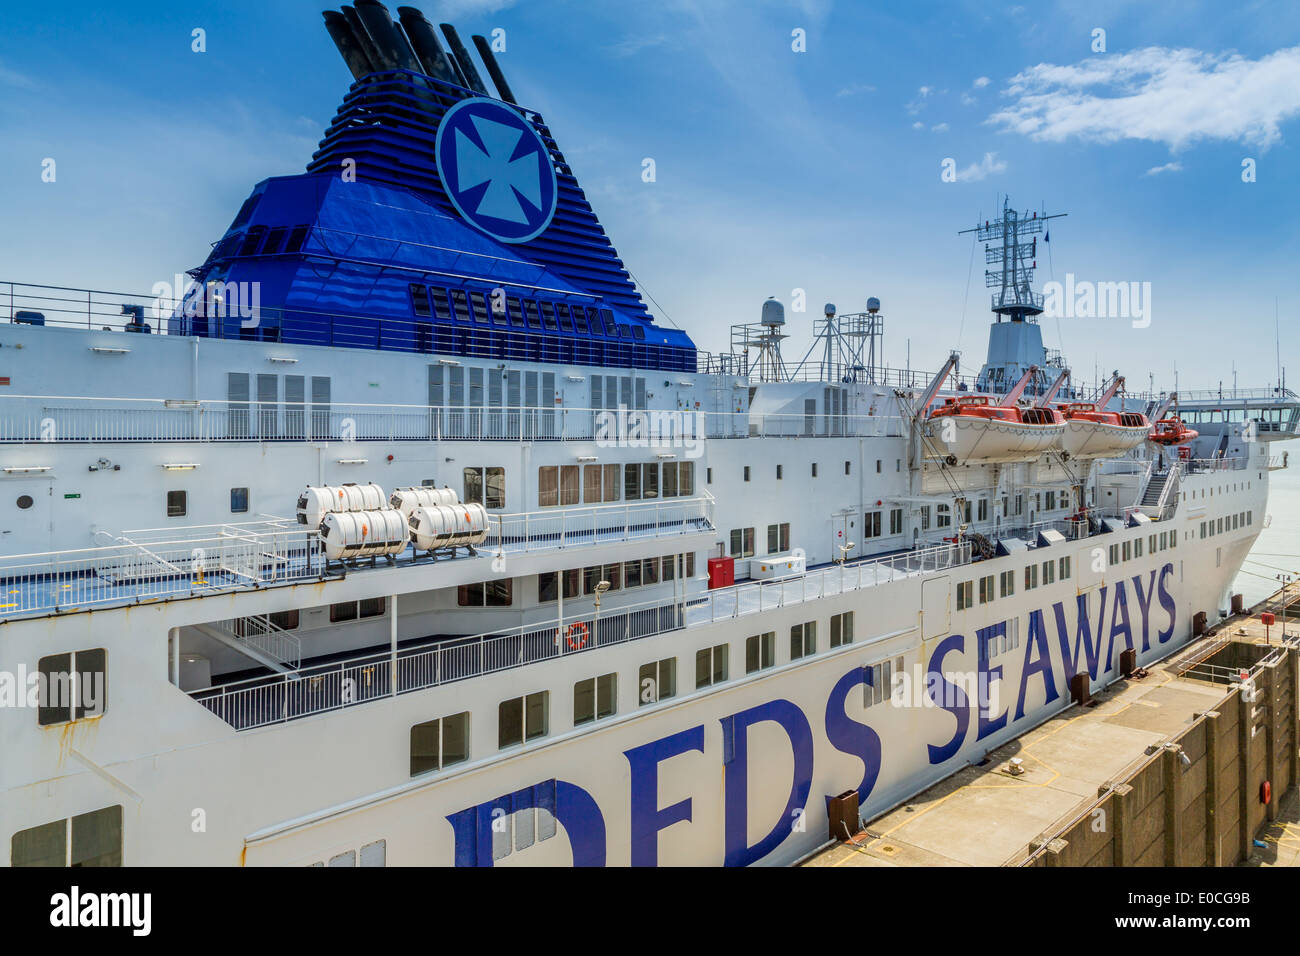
point(521, 719)
point(595, 698)
point(803, 640)
point(760, 652)
point(72, 686)
point(88, 839)
point(562, 312)
point(516, 315)
point(658, 679)
point(548, 316)
point(459, 306)
point(436, 744)
point(420, 299)
point(273, 240)
point(710, 666)
point(530, 309)
point(438, 296)
point(296, 239)
point(478, 307)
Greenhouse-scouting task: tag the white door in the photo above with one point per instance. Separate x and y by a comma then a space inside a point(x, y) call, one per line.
point(935, 607)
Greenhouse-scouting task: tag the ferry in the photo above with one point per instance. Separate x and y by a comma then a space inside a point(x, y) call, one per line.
point(400, 532)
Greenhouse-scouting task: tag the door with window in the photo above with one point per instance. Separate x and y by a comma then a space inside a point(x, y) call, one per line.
point(26, 516)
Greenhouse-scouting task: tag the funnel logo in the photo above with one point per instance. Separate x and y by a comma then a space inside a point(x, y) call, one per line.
point(496, 170)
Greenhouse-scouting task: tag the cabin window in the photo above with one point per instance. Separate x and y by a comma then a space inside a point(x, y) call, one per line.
point(779, 472)
point(530, 309)
point(747, 473)
point(176, 504)
point(778, 538)
point(657, 680)
point(871, 525)
point(420, 299)
point(238, 501)
point(1064, 568)
point(760, 652)
point(438, 296)
point(296, 239)
point(965, 595)
point(273, 240)
point(88, 839)
point(607, 317)
point(1007, 583)
point(896, 521)
point(521, 719)
point(562, 313)
point(485, 486)
point(710, 666)
point(1031, 576)
point(847, 467)
point(841, 629)
point(594, 698)
point(879, 680)
point(548, 316)
point(742, 542)
point(72, 686)
point(803, 640)
point(478, 307)
point(515, 312)
point(284, 620)
point(986, 589)
point(1049, 573)
point(498, 593)
point(436, 744)
point(814, 469)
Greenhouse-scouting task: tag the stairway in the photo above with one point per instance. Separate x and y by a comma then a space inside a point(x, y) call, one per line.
point(1155, 486)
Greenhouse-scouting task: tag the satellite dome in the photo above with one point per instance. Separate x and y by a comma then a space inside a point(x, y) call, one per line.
point(773, 313)
point(873, 305)
point(828, 309)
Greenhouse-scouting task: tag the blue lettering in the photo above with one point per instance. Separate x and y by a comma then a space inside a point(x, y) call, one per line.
point(1167, 602)
point(850, 736)
point(948, 696)
point(1037, 641)
point(1144, 596)
point(1119, 623)
point(1082, 638)
point(735, 758)
point(573, 808)
point(645, 816)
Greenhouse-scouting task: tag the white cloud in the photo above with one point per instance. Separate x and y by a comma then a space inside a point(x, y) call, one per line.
point(632, 45)
point(1176, 97)
point(939, 128)
point(14, 78)
point(856, 88)
point(990, 165)
point(924, 91)
point(918, 125)
point(1166, 168)
point(967, 100)
point(981, 82)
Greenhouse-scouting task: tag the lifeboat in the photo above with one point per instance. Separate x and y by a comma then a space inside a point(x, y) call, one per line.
point(971, 428)
point(1092, 432)
point(1172, 431)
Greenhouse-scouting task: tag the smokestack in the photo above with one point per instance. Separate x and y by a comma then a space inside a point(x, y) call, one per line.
point(363, 39)
point(472, 79)
point(354, 54)
point(494, 70)
point(392, 52)
point(427, 46)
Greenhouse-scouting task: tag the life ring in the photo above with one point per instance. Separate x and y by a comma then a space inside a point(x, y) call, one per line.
point(1265, 792)
point(576, 636)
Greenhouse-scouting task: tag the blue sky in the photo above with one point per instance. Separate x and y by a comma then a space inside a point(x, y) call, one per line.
point(775, 169)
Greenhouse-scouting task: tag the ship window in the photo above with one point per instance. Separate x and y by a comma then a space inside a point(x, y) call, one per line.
point(420, 299)
point(593, 318)
point(942, 516)
point(346, 611)
point(521, 719)
point(814, 469)
point(88, 839)
point(803, 640)
point(879, 679)
point(710, 666)
point(374, 854)
point(1049, 572)
point(624, 332)
point(478, 305)
point(986, 589)
point(548, 316)
point(747, 473)
point(246, 210)
point(459, 306)
point(657, 680)
point(498, 593)
point(760, 652)
point(594, 698)
point(871, 525)
point(485, 486)
point(847, 467)
point(1065, 569)
point(436, 744)
point(252, 240)
point(24, 502)
point(841, 629)
point(607, 318)
point(238, 501)
point(516, 316)
point(780, 472)
point(176, 504)
point(371, 607)
point(778, 538)
point(273, 240)
point(296, 239)
point(284, 620)
point(580, 320)
point(1007, 583)
point(896, 521)
point(965, 595)
point(438, 295)
point(638, 333)
point(742, 542)
point(1031, 576)
point(530, 309)
point(650, 481)
point(71, 686)
point(562, 313)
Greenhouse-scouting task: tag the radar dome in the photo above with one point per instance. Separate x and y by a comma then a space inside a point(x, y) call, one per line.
point(773, 313)
point(873, 305)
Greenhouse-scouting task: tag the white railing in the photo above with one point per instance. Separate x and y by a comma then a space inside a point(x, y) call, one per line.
point(316, 689)
point(166, 562)
point(260, 633)
point(37, 418)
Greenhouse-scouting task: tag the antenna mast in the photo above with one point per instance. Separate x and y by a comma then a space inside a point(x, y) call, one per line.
point(1011, 250)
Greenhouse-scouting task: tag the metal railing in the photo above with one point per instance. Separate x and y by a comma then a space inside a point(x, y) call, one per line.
point(261, 634)
point(168, 562)
point(316, 689)
point(39, 419)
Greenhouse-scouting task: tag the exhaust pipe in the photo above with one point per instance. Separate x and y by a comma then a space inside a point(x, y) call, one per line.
point(494, 69)
point(472, 79)
point(393, 53)
point(354, 54)
point(426, 45)
point(362, 36)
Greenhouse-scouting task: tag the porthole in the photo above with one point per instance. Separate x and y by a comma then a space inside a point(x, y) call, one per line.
point(25, 502)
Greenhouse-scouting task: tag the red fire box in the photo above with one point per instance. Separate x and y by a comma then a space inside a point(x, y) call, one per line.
point(722, 572)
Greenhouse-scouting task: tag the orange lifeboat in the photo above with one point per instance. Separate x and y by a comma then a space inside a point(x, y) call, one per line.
point(983, 431)
point(1094, 432)
point(1172, 431)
